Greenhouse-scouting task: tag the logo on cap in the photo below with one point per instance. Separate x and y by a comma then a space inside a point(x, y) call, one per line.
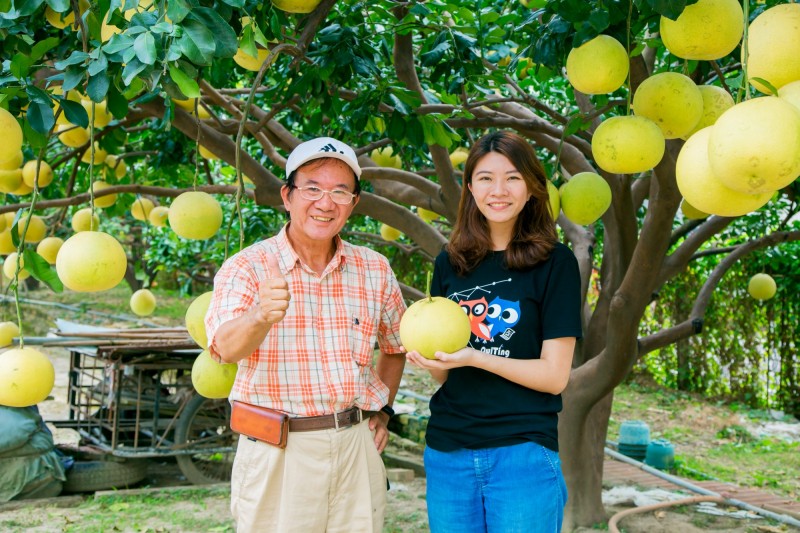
point(330, 148)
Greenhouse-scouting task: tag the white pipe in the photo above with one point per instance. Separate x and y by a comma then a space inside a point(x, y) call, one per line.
point(786, 519)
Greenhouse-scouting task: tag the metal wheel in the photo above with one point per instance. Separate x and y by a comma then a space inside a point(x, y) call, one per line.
point(203, 427)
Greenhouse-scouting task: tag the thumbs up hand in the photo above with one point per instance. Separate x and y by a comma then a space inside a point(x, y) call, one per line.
point(273, 293)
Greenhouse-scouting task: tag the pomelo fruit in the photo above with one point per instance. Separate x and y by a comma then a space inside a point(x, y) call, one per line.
point(247, 62)
point(10, 267)
point(672, 101)
point(627, 144)
point(458, 156)
point(195, 215)
point(701, 187)
point(29, 173)
point(762, 287)
point(296, 6)
point(754, 146)
point(212, 379)
point(707, 30)
point(716, 101)
point(15, 163)
point(72, 136)
point(773, 46)
point(48, 248)
point(36, 231)
point(26, 377)
point(91, 261)
point(389, 233)
point(427, 215)
point(385, 157)
point(585, 198)
point(195, 318)
point(8, 330)
point(141, 207)
point(690, 212)
point(554, 198)
point(10, 180)
point(598, 66)
point(143, 302)
point(103, 201)
point(158, 216)
point(434, 324)
point(85, 220)
point(12, 136)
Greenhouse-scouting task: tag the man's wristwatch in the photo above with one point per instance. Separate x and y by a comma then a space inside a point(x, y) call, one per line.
point(388, 410)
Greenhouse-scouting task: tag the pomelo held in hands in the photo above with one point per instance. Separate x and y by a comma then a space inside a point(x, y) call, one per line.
point(434, 324)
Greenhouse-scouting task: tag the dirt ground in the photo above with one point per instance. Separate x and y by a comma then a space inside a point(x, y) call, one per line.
point(406, 511)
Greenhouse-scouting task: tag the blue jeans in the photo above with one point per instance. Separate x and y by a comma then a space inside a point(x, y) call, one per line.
point(517, 488)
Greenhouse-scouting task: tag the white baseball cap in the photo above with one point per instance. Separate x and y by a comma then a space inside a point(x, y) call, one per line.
point(322, 147)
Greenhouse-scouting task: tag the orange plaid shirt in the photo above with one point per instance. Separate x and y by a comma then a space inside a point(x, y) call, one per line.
point(318, 359)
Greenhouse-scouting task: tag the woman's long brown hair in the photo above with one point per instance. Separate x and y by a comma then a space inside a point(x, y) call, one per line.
point(534, 231)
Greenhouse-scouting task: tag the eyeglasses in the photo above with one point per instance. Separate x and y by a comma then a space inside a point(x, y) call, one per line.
point(338, 196)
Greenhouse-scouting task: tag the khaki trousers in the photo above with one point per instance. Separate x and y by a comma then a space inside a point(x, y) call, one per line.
point(325, 481)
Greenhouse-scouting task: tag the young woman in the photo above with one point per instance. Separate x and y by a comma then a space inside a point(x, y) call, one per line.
point(492, 441)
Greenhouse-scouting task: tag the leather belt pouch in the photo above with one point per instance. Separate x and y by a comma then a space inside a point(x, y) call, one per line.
point(260, 423)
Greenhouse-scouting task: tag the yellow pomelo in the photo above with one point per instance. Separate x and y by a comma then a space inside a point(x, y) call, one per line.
point(143, 302)
point(701, 187)
point(6, 242)
point(296, 6)
point(762, 287)
point(26, 377)
point(141, 207)
point(101, 115)
point(585, 198)
point(389, 233)
point(117, 165)
point(754, 146)
point(205, 153)
point(598, 66)
point(14, 163)
point(10, 180)
point(248, 62)
point(29, 174)
point(212, 379)
point(195, 319)
point(716, 101)
point(3, 224)
point(385, 157)
point(91, 261)
point(773, 45)
point(458, 156)
point(709, 29)
point(10, 267)
point(49, 247)
point(59, 20)
point(158, 216)
point(691, 212)
point(626, 145)
point(103, 201)
point(99, 155)
point(84, 220)
point(791, 93)
point(433, 325)
point(554, 198)
point(427, 215)
point(672, 101)
point(11, 134)
point(9, 216)
point(22, 190)
point(72, 136)
point(188, 104)
point(195, 215)
point(8, 330)
point(37, 229)
point(108, 30)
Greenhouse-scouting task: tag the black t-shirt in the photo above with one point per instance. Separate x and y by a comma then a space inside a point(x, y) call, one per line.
point(511, 313)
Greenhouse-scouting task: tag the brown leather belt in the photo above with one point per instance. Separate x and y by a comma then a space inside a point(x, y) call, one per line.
point(342, 419)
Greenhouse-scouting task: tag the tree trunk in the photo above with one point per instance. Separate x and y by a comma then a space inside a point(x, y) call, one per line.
point(582, 438)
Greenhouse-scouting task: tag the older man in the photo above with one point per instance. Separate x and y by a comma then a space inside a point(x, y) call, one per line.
point(300, 313)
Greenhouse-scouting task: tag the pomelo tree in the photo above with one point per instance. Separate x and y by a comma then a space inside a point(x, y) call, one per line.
point(158, 99)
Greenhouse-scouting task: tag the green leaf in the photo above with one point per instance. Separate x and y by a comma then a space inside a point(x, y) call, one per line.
point(42, 47)
point(34, 138)
point(36, 94)
point(41, 270)
point(118, 43)
point(145, 47)
point(131, 70)
point(248, 42)
point(187, 85)
point(97, 87)
point(59, 6)
point(75, 58)
point(116, 103)
point(224, 37)
point(98, 65)
point(235, 3)
point(28, 7)
point(20, 65)
point(433, 57)
point(73, 77)
point(771, 88)
point(40, 117)
point(197, 42)
point(74, 112)
point(177, 10)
